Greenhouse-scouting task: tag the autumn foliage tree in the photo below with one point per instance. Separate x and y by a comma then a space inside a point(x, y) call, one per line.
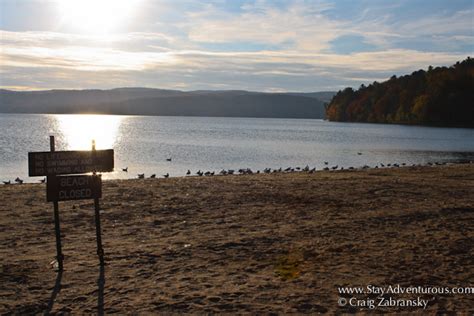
point(442, 96)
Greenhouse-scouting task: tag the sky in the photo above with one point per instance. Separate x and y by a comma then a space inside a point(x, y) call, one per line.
point(260, 45)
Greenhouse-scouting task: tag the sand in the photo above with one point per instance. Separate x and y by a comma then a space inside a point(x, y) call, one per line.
point(277, 243)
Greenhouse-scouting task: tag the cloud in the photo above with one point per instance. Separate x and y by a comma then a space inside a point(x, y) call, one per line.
point(261, 45)
point(193, 69)
point(460, 22)
point(436, 32)
point(303, 25)
point(89, 59)
point(129, 41)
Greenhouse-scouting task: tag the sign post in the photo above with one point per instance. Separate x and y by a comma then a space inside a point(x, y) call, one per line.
point(57, 228)
point(58, 166)
point(100, 250)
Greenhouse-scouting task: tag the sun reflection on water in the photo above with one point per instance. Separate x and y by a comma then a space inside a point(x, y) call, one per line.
point(80, 130)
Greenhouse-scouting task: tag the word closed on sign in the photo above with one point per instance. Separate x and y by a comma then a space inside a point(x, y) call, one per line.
point(65, 188)
point(70, 162)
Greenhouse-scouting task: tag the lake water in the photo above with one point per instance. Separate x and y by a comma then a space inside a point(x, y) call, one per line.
point(143, 143)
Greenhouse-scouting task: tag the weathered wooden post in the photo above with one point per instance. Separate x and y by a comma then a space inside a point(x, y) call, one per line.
point(57, 228)
point(100, 250)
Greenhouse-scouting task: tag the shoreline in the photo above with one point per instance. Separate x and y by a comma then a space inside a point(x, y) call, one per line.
point(258, 243)
point(261, 172)
point(447, 126)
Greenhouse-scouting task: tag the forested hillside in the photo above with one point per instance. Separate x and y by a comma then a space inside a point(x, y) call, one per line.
point(442, 96)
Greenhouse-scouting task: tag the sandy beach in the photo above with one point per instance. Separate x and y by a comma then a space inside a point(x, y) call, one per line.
point(267, 243)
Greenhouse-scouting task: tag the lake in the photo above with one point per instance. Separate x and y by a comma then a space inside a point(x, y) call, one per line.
point(144, 143)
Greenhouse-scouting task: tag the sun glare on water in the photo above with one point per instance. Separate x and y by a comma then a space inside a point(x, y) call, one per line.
point(95, 16)
point(80, 130)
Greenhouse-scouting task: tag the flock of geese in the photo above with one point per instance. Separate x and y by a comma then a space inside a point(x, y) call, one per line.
point(20, 181)
point(224, 172)
point(153, 176)
point(17, 180)
point(306, 169)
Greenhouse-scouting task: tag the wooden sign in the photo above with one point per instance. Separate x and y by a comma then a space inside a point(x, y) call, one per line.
point(65, 188)
point(70, 162)
point(78, 187)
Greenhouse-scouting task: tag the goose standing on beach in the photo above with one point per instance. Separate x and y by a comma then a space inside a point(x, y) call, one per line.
point(43, 180)
point(153, 176)
point(141, 176)
point(125, 169)
point(7, 182)
point(166, 175)
point(188, 173)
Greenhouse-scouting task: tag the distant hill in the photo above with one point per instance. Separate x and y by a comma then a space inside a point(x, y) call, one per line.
point(440, 96)
point(324, 96)
point(145, 101)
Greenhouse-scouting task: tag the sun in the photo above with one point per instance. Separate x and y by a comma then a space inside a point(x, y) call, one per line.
point(95, 16)
point(79, 130)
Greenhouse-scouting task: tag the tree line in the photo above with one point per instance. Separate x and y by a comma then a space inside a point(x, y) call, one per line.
point(442, 96)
